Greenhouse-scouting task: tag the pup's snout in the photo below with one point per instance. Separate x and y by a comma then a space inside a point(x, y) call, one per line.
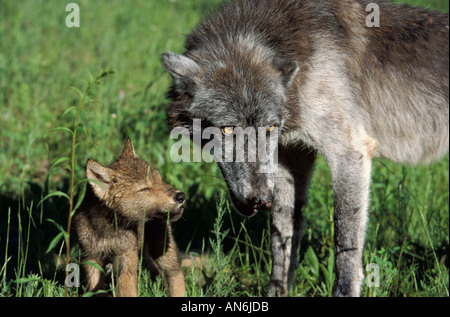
point(179, 197)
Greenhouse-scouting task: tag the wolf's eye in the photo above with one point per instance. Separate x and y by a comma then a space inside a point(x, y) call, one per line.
point(271, 128)
point(227, 130)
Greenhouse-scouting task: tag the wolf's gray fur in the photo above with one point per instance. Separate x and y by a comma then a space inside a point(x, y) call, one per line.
point(333, 86)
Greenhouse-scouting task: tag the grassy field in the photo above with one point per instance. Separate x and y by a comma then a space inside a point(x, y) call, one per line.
point(41, 59)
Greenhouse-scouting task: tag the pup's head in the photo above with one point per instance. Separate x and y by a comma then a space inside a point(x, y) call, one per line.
point(244, 91)
point(134, 189)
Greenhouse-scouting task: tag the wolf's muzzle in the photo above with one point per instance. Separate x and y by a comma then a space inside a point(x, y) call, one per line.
point(261, 203)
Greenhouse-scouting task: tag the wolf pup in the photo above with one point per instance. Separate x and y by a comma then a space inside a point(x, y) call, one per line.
point(119, 201)
point(332, 85)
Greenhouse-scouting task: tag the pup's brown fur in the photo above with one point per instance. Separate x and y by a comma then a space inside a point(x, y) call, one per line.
point(119, 201)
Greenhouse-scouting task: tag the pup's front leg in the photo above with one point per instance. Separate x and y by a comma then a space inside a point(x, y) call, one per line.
point(161, 246)
point(94, 277)
point(128, 271)
point(170, 264)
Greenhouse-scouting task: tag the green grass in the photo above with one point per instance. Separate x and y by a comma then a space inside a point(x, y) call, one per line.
point(41, 59)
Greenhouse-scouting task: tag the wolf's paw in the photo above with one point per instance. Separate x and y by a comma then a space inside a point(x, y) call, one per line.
point(276, 289)
point(342, 289)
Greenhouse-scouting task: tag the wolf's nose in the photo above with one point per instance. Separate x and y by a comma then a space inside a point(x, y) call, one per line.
point(179, 197)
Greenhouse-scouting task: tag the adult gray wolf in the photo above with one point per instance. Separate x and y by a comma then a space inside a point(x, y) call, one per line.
point(331, 85)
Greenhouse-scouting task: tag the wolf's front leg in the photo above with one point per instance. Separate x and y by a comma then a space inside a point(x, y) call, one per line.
point(285, 237)
point(351, 181)
point(292, 181)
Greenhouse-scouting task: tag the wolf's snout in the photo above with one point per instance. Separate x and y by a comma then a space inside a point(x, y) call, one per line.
point(179, 197)
point(259, 203)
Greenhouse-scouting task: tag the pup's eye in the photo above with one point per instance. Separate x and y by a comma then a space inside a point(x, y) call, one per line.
point(227, 130)
point(271, 128)
point(144, 189)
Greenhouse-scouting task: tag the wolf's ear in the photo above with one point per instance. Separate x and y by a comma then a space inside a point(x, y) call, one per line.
point(99, 177)
point(181, 68)
point(128, 150)
point(288, 68)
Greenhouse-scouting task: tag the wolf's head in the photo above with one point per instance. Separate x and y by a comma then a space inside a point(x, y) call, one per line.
point(242, 94)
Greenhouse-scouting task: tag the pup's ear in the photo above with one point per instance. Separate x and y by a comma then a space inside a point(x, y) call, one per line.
point(128, 150)
point(288, 68)
point(99, 178)
point(181, 68)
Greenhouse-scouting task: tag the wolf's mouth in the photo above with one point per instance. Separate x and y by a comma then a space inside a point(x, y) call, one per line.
point(243, 208)
point(246, 209)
